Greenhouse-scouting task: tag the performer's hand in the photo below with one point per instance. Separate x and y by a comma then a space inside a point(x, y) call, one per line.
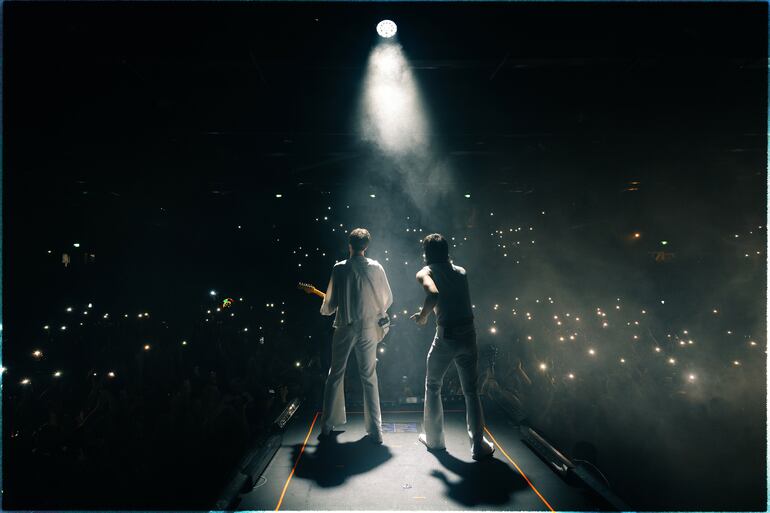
point(420, 319)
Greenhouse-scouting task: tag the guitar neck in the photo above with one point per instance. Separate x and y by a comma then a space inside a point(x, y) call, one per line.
point(318, 293)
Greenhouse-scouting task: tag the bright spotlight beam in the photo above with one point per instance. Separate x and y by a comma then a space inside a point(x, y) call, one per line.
point(393, 117)
point(386, 28)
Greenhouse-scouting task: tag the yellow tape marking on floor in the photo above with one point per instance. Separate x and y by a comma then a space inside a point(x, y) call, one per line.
point(288, 479)
point(520, 471)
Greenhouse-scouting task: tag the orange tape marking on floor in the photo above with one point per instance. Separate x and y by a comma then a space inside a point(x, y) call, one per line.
point(288, 479)
point(520, 471)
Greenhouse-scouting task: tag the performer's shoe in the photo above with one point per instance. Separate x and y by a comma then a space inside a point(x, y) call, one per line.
point(486, 450)
point(326, 434)
point(424, 440)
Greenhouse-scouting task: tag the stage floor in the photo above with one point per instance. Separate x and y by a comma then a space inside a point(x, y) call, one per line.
point(351, 473)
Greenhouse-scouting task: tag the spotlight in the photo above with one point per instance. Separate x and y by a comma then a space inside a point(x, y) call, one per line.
point(386, 29)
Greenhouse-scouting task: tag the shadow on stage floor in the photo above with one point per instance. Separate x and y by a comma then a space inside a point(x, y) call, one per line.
point(349, 472)
point(490, 481)
point(332, 463)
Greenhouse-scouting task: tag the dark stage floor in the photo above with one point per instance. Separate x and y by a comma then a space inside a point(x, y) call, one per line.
point(353, 474)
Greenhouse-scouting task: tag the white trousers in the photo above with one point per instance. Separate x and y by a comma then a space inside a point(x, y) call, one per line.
point(364, 340)
point(461, 349)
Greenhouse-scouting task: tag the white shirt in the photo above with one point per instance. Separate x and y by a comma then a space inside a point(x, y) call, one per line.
point(350, 295)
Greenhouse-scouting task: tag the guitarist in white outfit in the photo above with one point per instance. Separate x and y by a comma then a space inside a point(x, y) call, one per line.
point(359, 294)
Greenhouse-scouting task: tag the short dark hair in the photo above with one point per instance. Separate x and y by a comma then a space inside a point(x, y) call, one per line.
point(359, 239)
point(436, 249)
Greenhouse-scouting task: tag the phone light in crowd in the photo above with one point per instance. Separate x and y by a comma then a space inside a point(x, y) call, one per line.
point(671, 361)
point(46, 327)
point(147, 347)
point(691, 378)
point(571, 376)
point(184, 342)
point(3, 370)
point(637, 235)
point(63, 328)
point(90, 305)
point(111, 374)
point(622, 360)
point(591, 352)
point(25, 381)
point(664, 242)
point(493, 330)
point(37, 354)
point(386, 29)
point(279, 196)
point(467, 195)
point(542, 367)
point(752, 343)
point(69, 309)
point(297, 364)
point(372, 196)
point(213, 292)
point(382, 350)
point(77, 244)
point(736, 363)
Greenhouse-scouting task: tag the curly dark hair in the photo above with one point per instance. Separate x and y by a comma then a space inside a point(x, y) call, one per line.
point(436, 249)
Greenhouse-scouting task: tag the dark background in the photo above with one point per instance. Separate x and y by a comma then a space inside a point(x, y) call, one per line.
point(150, 132)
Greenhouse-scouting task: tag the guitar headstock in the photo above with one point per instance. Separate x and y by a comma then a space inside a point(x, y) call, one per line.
point(306, 287)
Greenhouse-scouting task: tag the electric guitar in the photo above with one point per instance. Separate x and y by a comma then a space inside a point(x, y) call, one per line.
point(306, 287)
point(384, 324)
